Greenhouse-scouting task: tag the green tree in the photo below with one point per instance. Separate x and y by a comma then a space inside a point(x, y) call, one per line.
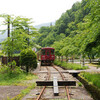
point(28, 59)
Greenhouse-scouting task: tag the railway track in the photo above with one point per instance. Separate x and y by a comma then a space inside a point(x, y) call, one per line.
point(48, 78)
point(66, 92)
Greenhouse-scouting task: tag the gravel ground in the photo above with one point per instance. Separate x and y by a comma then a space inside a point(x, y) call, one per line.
point(76, 92)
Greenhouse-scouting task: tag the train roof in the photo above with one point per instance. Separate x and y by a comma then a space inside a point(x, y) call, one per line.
point(47, 48)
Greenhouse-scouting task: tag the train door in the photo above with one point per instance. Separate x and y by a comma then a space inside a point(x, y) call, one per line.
point(48, 54)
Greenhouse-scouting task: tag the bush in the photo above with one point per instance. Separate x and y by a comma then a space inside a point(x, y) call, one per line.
point(28, 59)
point(57, 63)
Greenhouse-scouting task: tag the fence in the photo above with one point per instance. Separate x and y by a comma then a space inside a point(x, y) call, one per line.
point(16, 59)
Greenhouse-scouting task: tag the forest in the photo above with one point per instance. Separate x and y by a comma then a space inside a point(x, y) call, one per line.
point(76, 33)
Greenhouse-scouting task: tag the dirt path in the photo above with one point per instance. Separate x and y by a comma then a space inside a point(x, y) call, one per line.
point(91, 69)
point(10, 91)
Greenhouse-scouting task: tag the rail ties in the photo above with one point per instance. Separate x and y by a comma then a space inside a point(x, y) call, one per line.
point(55, 84)
point(60, 83)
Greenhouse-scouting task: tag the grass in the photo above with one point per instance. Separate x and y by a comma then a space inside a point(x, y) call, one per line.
point(80, 84)
point(14, 77)
point(93, 78)
point(70, 65)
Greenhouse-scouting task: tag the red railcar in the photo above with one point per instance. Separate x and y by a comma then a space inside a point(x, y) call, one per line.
point(47, 55)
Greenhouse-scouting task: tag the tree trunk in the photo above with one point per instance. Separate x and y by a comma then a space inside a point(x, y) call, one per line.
point(28, 38)
point(89, 58)
point(80, 59)
point(72, 60)
point(92, 58)
point(61, 58)
point(66, 59)
point(83, 61)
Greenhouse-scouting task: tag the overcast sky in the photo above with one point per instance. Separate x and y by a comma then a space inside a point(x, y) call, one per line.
point(42, 11)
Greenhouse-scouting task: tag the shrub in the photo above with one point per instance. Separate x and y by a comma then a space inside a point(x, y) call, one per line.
point(28, 59)
point(57, 63)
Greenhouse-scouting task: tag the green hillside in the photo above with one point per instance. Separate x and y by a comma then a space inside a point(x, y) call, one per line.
point(76, 32)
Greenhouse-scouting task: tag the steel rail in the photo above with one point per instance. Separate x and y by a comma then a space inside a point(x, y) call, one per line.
point(47, 78)
point(67, 91)
point(41, 93)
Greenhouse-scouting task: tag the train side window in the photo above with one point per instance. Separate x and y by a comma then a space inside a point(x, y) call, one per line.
point(48, 53)
point(43, 52)
point(52, 52)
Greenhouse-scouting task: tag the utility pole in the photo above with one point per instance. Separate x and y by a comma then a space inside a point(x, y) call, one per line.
point(8, 26)
point(8, 35)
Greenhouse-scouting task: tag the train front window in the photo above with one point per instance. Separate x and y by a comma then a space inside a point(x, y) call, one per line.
point(52, 52)
point(43, 52)
point(48, 53)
